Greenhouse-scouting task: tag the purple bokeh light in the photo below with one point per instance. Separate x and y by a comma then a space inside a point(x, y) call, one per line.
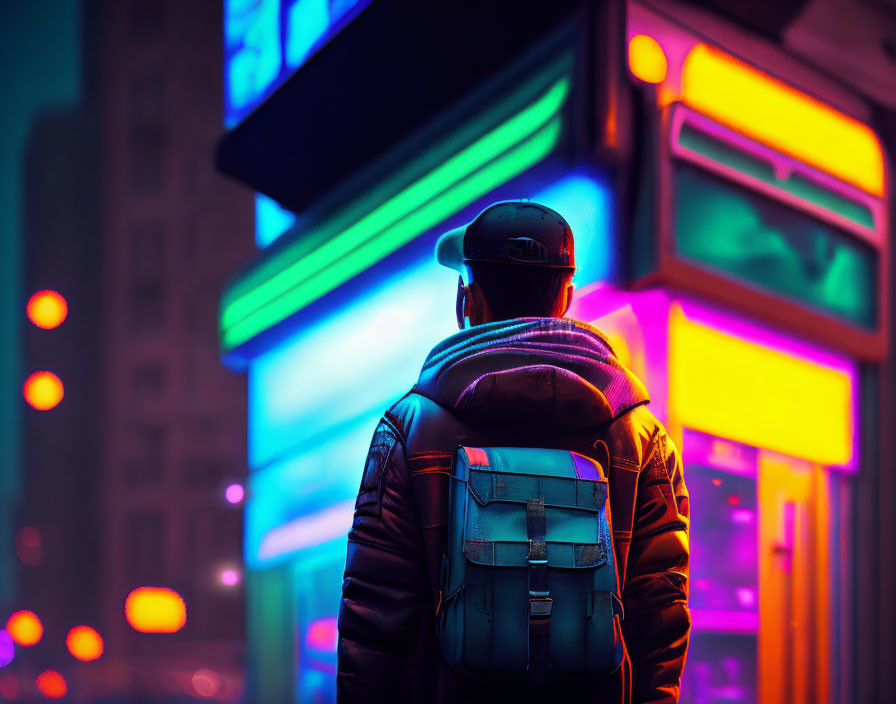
point(230, 577)
point(234, 493)
point(7, 648)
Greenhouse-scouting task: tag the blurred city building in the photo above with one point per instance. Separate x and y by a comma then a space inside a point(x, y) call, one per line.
point(727, 173)
point(128, 481)
point(174, 424)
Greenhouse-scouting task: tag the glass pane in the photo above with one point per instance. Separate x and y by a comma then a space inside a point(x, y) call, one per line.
point(769, 246)
point(721, 669)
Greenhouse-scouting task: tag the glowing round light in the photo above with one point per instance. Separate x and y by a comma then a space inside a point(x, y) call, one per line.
point(230, 577)
point(646, 59)
point(7, 648)
point(46, 309)
point(30, 537)
point(43, 390)
point(84, 643)
point(28, 546)
point(207, 683)
point(323, 634)
point(234, 493)
point(51, 684)
point(9, 686)
point(25, 628)
point(155, 610)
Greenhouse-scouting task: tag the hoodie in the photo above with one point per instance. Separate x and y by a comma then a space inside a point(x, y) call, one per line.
point(526, 382)
point(554, 371)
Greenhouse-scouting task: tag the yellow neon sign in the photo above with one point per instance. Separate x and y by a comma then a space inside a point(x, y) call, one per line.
point(744, 391)
point(769, 111)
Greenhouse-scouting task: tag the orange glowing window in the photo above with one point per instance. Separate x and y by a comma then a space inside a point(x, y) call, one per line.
point(155, 610)
point(51, 684)
point(84, 643)
point(646, 59)
point(43, 390)
point(769, 111)
point(25, 628)
point(47, 309)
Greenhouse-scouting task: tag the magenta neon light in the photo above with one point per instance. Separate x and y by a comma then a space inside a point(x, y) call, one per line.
point(724, 620)
point(719, 453)
point(322, 634)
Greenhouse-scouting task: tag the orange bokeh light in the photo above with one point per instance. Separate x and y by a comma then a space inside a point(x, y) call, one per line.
point(43, 390)
point(646, 59)
point(51, 684)
point(84, 643)
point(25, 628)
point(155, 610)
point(46, 309)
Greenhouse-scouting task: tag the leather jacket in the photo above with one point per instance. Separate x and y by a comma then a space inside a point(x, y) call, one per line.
point(527, 382)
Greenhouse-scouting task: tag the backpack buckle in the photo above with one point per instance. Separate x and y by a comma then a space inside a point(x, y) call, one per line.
point(540, 607)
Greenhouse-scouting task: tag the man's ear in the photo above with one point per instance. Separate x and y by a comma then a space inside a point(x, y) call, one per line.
point(569, 289)
point(461, 306)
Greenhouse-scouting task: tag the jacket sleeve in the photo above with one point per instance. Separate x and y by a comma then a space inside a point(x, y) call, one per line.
point(657, 623)
point(385, 584)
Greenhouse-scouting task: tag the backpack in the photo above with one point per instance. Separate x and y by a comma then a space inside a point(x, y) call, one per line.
point(529, 580)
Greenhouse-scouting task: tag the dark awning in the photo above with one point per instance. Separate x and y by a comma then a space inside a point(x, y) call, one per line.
point(388, 73)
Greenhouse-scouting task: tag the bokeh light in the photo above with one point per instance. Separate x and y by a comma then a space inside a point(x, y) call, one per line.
point(9, 686)
point(234, 493)
point(207, 683)
point(7, 648)
point(25, 628)
point(28, 546)
point(30, 536)
point(51, 684)
point(43, 390)
point(646, 59)
point(155, 610)
point(84, 643)
point(322, 634)
point(47, 309)
point(230, 577)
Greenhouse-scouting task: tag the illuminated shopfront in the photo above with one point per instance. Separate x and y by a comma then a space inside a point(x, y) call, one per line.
point(747, 291)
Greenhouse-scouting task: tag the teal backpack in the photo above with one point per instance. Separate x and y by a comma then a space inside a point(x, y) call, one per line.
point(529, 582)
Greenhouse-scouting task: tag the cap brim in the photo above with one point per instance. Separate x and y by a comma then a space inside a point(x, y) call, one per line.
point(450, 249)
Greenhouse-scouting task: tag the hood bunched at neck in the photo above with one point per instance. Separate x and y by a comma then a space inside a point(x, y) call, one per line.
point(550, 371)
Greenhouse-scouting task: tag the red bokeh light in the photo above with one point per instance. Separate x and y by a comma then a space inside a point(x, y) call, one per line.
point(51, 684)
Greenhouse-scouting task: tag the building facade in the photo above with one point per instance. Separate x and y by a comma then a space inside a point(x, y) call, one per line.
point(731, 204)
point(173, 424)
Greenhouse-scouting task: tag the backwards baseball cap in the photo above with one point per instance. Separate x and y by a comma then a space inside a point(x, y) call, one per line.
point(510, 232)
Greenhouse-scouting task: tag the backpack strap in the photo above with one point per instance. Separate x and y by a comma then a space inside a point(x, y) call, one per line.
point(540, 601)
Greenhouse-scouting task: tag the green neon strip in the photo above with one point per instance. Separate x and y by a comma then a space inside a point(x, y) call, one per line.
point(404, 169)
point(419, 220)
point(436, 181)
point(763, 171)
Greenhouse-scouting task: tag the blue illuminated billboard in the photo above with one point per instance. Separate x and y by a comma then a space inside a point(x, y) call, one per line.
point(266, 40)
